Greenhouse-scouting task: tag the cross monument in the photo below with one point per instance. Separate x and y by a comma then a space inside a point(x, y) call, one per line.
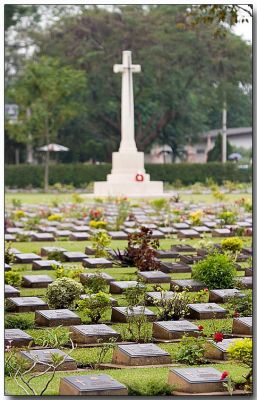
point(128, 176)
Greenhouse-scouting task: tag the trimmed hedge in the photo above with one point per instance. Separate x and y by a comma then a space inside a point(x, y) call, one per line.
point(23, 175)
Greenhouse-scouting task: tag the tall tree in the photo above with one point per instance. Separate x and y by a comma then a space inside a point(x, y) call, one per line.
point(51, 92)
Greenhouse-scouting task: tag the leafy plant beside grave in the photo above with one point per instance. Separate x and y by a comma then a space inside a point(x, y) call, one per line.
point(241, 351)
point(140, 251)
point(135, 295)
point(191, 350)
point(138, 329)
point(94, 306)
point(53, 338)
point(95, 284)
point(173, 308)
point(12, 278)
point(63, 292)
point(239, 306)
point(101, 241)
point(8, 254)
point(227, 217)
point(22, 322)
point(72, 272)
point(216, 271)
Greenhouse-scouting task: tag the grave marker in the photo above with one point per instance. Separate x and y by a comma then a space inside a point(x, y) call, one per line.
point(26, 304)
point(91, 385)
point(121, 314)
point(45, 356)
point(206, 311)
point(191, 284)
point(140, 354)
point(96, 263)
point(154, 277)
point(10, 291)
point(88, 334)
point(26, 258)
point(63, 317)
point(36, 281)
point(170, 330)
point(242, 326)
point(217, 351)
point(16, 338)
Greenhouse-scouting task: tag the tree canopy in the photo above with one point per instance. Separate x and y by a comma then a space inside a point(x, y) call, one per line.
point(180, 91)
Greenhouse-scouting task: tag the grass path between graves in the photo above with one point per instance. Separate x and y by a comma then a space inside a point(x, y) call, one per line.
point(143, 381)
point(50, 198)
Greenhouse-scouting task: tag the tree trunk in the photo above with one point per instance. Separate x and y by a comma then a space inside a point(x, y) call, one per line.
point(46, 178)
point(17, 156)
point(224, 132)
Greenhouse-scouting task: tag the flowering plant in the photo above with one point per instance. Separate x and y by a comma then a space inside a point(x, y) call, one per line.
point(218, 337)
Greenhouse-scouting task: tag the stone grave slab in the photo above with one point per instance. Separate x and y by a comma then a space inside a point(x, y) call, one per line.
point(183, 248)
point(89, 251)
point(7, 267)
point(196, 380)
point(156, 234)
point(62, 233)
point(26, 258)
point(16, 338)
point(88, 334)
point(96, 263)
point(217, 351)
point(154, 277)
point(14, 230)
point(43, 237)
point(140, 354)
point(248, 272)
point(47, 229)
point(10, 291)
point(13, 250)
point(26, 304)
point(156, 296)
point(44, 264)
point(36, 281)
point(244, 224)
point(170, 330)
point(84, 277)
point(44, 356)
point(242, 326)
point(242, 257)
point(118, 235)
point(190, 259)
point(166, 254)
point(175, 267)
point(167, 230)
point(202, 252)
point(221, 232)
point(81, 228)
point(74, 256)
point(118, 287)
point(91, 385)
point(188, 234)
point(121, 314)
point(113, 301)
point(210, 224)
point(202, 229)
point(8, 237)
point(248, 251)
point(131, 230)
point(246, 281)
point(180, 225)
point(56, 317)
point(79, 236)
point(206, 311)
point(50, 249)
point(223, 295)
point(191, 284)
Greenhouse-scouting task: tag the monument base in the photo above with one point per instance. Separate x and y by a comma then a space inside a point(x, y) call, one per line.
point(135, 189)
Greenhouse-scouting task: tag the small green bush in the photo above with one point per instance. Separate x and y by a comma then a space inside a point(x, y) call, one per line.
point(151, 388)
point(18, 322)
point(95, 284)
point(227, 217)
point(216, 271)
point(95, 306)
point(191, 350)
point(232, 244)
point(241, 350)
point(53, 338)
point(63, 292)
point(12, 278)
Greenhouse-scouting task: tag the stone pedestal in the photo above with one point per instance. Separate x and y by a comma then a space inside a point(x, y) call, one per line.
point(140, 354)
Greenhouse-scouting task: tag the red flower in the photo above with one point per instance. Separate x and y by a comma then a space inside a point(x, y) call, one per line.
point(224, 375)
point(206, 289)
point(236, 314)
point(218, 337)
point(200, 327)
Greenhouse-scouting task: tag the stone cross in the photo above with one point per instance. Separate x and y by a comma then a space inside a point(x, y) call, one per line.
point(128, 143)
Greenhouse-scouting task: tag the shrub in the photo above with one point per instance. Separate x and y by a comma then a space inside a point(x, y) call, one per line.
point(159, 204)
point(141, 251)
point(94, 306)
point(195, 217)
point(95, 283)
point(95, 214)
point(241, 350)
point(135, 296)
point(63, 292)
point(227, 217)
point(12, 278)
point(98, 224)
point(150, 388)
point(241, 306)
point(100, 242)
point(216, 271)
point(173, 308)
point(56, 255)
point(18, 322)
point(234, 244)
point(191, 350)
point(53, 337)
point(55, 217)
point(8, 255)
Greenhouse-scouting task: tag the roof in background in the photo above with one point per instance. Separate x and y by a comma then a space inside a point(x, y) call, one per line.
point(230, 132)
